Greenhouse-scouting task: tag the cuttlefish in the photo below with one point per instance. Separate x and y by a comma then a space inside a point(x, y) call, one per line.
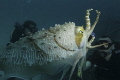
point(48, 51)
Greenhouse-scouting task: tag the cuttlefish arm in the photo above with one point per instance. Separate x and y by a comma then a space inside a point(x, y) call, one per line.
point(90, 42)
point(87, 44)
point(83, 60)
point(89, 29)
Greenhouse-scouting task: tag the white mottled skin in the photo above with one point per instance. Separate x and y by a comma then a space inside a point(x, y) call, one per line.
point(47, 51)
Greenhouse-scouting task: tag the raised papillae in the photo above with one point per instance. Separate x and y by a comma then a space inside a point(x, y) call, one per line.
point(48, 51)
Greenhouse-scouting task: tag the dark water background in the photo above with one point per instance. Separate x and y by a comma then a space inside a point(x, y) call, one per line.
point(46, 13)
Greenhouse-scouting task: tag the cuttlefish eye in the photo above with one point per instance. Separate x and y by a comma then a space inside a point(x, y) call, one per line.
point(79, 30)
point(78, 34)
